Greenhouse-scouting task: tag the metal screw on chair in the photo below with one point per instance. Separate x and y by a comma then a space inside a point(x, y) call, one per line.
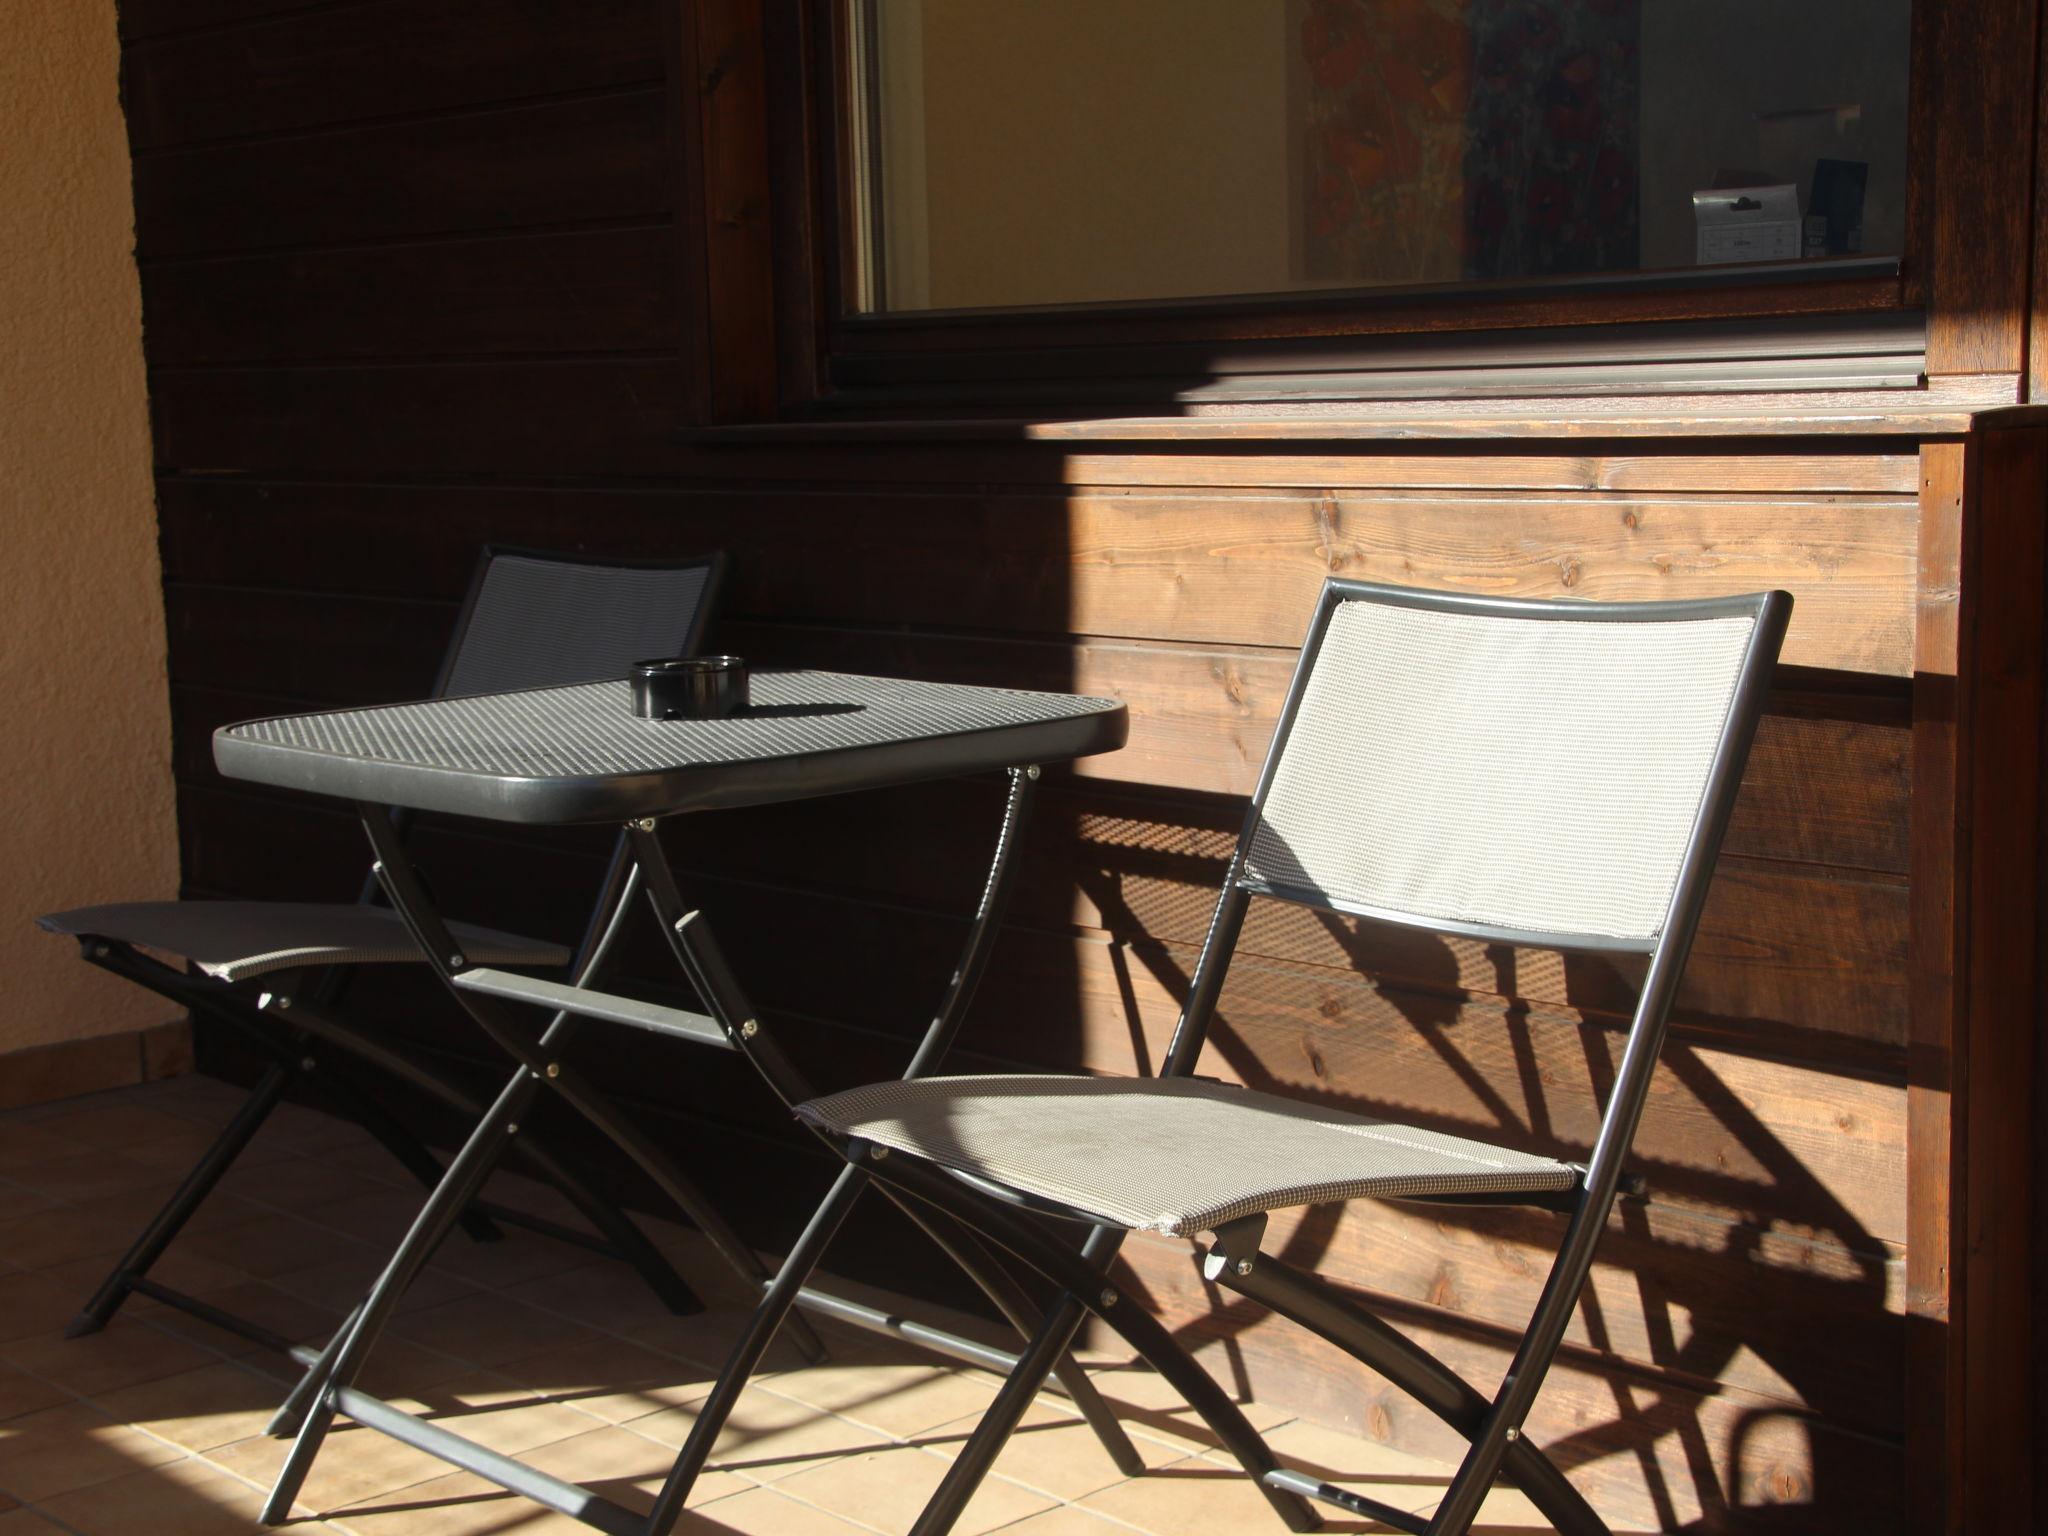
point(1244, 1266)
point(645, 823)
point(876, 1154)
point(1514, 1434)
point(1108, 1297)
point(455, 962)
point(749, 1029)
point(101, 951)
point(554, 1069)
point(280, 1003)
point(1031, 772)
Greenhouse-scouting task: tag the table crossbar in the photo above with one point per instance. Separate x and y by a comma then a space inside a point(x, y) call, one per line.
point(591, 1004)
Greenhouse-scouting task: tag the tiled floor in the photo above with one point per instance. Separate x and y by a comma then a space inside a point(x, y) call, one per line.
point(156, 1425)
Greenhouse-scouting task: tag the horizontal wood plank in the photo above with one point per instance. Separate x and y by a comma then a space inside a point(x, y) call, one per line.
point(333, 65)
point(582, 291)
point(585, 158)
point(1240, 571)
point(613, 416)
point(1797, 472)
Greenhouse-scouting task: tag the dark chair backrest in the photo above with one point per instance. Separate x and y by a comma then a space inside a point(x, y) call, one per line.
point(535, 620)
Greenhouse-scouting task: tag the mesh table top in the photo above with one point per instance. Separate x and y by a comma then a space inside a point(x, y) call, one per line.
point(579, 754)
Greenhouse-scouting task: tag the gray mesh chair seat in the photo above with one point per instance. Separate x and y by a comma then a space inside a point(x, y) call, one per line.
point(240, 940)
point(1172, 1155)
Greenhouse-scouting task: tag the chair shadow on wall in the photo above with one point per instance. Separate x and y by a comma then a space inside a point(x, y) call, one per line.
point(1693, 1329)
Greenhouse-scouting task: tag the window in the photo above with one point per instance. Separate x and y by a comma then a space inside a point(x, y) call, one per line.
point(1117, 152)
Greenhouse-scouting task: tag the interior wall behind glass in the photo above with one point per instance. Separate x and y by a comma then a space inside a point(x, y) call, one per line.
point(1768, 87)
point(1077, 150)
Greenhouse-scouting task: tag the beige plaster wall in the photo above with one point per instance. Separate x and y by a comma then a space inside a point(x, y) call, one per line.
point(85, 772)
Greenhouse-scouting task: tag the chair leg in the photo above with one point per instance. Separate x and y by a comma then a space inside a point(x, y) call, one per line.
point(1076, 1275)
point(999, 1421)
point(768, 1315)
point(1307, 1302)
point(966, 1250)
point(168, 1222)
point(291, 1413)
point(466, 1175)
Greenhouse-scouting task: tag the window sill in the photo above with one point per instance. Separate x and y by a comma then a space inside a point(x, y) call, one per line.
point(1944, 406)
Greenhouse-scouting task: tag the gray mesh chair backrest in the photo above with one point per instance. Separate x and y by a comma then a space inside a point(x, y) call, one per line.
point(1515, 768)
point(540, 621)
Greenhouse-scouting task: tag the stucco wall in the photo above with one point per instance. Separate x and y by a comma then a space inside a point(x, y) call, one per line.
point(85, 773)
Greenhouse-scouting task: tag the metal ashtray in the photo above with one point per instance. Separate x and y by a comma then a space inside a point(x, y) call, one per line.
point(689, 687)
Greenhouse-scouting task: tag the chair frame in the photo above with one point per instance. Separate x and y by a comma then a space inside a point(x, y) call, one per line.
point(290, 1017)
point(1014, 1223)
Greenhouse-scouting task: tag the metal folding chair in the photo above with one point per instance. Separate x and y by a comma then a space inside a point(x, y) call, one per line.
point(273, 972)
point(1556, 774)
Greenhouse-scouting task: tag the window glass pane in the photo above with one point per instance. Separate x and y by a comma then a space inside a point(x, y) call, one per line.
point(1025, 152)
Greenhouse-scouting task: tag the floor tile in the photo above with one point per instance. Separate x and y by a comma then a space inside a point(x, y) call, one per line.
point(71, 1446)
point(127, 1351)
point(56, 1236)
point(767, 1438)
point(32, 1303)
point(93, 1176)
point(628, 1468)
point(1185, 1498)
point(355, 1464)
point(515, 1257)
point(27, 1142)
point(487, 1329)
point(180, 1498)
point(887, 1489)
point(110, 1123)
point(255, 1301)
point(272, 1243)
point(1149, 1406)
point(1071, 1520)
point(708, 1338)
point(178, 1268)
point(1365, 1466)
point(1053, 1451)
point(615, 1380)
point(339, 1284)
point(764, 1512)
point(26, 1522)
point(201, 1409)
point(900, 1397)
point(604, 1291)
point(496, 1411)
point(22, 1393)
point(302, 1184)
point(455, 1504)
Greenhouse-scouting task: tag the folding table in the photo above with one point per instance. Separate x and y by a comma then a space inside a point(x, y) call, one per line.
point(577, 755)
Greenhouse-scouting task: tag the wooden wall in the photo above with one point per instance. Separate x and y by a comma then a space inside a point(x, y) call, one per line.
point(411, 281)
